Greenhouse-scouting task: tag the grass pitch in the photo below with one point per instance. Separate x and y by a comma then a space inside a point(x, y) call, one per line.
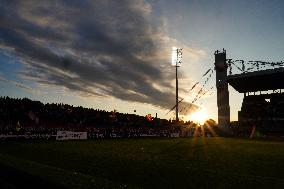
point(143, 163)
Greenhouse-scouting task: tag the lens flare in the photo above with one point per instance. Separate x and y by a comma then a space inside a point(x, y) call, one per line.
point(199, 117)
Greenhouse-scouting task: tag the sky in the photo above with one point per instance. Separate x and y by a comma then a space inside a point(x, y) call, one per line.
point(109, 54)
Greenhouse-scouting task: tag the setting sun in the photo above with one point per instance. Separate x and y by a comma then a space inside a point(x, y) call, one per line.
point(199, 116)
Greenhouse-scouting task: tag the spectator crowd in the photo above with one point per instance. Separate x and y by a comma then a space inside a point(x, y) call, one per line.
point(34, 119)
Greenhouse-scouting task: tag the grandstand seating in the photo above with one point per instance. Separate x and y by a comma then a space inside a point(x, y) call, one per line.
point(265, 112)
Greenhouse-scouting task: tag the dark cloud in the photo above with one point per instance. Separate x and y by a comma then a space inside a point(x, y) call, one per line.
point(103, 48)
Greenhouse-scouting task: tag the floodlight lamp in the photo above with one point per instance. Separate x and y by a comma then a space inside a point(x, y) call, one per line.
point(176, 56)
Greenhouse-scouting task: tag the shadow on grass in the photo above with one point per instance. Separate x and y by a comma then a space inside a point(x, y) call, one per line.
point(11, 177)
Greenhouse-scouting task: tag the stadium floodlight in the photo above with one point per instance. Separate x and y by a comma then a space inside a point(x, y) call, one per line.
point(176, 56)
point(176, 61)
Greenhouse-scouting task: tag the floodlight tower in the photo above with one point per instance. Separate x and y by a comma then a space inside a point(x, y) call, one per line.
point(222, 89)
point(176, 61)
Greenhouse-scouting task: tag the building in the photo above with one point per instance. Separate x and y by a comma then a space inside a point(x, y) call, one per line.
point(263, 102)
point(222, 89)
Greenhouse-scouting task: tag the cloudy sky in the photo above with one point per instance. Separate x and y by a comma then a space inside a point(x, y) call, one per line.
point(115, 54)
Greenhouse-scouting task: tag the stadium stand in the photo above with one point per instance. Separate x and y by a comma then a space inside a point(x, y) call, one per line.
point(32, 119)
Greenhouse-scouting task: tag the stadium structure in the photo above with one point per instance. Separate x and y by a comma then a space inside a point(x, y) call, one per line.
point(222, 89)
point(263, 103)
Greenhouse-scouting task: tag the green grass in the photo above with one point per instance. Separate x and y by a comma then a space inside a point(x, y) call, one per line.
point(150, 163)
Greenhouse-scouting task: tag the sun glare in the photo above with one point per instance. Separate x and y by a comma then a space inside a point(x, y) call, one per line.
point(199, 117)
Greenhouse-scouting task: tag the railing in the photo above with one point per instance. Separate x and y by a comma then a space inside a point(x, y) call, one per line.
point(250, 66)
